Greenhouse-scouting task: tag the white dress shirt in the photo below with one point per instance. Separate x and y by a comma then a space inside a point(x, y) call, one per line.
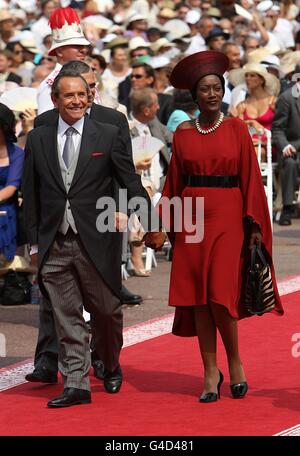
point(44, 91)
point(61, 136)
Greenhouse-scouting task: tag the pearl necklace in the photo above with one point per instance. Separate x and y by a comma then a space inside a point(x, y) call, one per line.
point(211, 129)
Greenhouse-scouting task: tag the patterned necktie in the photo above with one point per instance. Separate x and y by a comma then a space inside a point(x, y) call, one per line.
point(69, 148)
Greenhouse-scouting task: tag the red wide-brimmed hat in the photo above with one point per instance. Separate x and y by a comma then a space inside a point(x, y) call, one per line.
point(188, 71)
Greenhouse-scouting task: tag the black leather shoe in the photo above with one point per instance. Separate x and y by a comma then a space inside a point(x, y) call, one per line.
point(71, 396)
point(43, 375)
point(129, 298)
point(99, 369)
point(285, 220)
point(113, 381)
point(239, 390)
point(213, 397)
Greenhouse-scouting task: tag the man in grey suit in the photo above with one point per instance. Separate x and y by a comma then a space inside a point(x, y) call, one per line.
point(144, 105)
point(286, 137)
point(45, 360)
point(68, 168)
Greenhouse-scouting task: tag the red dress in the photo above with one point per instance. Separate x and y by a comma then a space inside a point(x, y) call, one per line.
point(211, 270)
point(265, 121)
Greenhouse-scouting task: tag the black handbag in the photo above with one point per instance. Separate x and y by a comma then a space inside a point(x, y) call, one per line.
point(259, 293)
point(16, 289)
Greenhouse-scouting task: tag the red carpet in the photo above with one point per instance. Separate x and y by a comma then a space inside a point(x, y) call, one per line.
point(163, 378)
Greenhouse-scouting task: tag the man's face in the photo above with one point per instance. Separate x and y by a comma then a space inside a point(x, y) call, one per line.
point(234, 55)
point(49, 8)
point(72, 100)
point(205, 27)
point(153, 108)
point(71, 52)
point(7, 26)
point(91, 80)
point(139, 78)
point(3, 64)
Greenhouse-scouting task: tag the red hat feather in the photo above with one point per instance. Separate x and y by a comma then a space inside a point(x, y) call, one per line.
point(60, 16)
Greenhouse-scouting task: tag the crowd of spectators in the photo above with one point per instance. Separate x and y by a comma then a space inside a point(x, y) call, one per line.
point(133, 46)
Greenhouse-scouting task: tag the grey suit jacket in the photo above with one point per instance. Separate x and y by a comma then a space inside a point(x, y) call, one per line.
point(286, 123)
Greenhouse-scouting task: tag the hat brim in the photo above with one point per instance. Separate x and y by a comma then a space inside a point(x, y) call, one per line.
point(272, 84)
point(188, 71)
point(69, 42)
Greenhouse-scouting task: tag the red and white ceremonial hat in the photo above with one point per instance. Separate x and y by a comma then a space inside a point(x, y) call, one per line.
point(189, 70)
point(66, 29)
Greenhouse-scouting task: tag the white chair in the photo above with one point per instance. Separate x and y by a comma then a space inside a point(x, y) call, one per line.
point(266, 168)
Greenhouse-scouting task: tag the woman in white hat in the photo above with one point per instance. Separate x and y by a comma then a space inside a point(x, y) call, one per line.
point(258, 109)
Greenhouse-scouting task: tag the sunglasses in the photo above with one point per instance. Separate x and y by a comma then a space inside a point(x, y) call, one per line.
point(136, 76)
point(49, 59)
point(18, 52)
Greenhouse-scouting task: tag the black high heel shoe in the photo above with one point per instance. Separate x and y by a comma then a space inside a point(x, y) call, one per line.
point(239, 390)
point(213, 397)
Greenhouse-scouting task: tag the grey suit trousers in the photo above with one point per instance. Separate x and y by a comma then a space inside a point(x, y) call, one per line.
point(73, 282)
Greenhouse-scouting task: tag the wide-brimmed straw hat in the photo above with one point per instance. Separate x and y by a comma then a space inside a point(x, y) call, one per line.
point(237, 77)
point(289, 62)
point(189, 70)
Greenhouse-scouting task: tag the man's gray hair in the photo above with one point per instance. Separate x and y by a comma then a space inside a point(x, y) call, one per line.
point(76, 65)
point(141, 98)
point(66, 74)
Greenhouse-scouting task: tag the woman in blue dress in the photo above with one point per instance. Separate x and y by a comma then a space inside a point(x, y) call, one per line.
point(11, 169)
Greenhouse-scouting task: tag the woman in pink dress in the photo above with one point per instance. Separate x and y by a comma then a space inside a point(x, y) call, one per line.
point(258, 109)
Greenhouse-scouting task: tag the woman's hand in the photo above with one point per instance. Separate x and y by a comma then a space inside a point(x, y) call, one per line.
point(155, 240)
point(255, 237)
point(254, 124)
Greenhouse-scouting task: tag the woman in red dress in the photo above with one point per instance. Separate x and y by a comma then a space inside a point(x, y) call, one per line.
point(213, 158)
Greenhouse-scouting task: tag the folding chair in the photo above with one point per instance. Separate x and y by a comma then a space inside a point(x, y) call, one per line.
point(266, 168)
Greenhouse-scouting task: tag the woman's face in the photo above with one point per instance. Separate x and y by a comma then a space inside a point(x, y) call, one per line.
point(18, 54)
point(253, 81)
point(209, 93)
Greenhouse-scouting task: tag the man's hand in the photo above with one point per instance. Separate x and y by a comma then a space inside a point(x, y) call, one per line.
point(155, 240)
point(121, 221)
point(34, 260)
point(143, 164)
point(28, 117)
point(289, 151)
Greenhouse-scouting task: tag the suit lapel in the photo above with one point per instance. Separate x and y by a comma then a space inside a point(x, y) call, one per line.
point(297, 101)
point(88, 141)
point(49, 142)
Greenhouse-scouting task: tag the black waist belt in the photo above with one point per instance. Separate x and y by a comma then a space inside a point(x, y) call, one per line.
point(212, 181)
